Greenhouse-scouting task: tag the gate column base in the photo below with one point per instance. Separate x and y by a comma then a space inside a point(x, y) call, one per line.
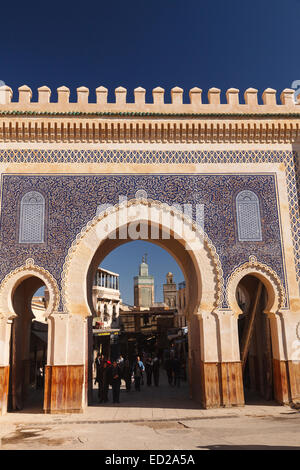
point(64, 389)
point(232, 387)
point(294, 379)
point(286, 381)
point(4, 380)
point(222, 384)
point(65, 373)
point(281, 381)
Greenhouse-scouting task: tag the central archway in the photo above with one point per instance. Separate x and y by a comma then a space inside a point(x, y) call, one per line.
point(164, 225)
point(172, 230)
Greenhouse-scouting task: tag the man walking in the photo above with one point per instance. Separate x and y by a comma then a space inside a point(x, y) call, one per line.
point(116, 382)
point(149, 370)
point(155, 369)
point(138, 373)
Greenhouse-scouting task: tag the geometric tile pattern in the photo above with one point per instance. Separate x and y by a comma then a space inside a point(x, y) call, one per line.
point(71, 201)
point(289, 159)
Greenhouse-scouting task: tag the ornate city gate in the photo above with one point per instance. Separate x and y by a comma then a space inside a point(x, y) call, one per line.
point(79, 179)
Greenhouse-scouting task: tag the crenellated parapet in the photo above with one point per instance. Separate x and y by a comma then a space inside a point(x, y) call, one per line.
point(268, 118)
point(250, 102)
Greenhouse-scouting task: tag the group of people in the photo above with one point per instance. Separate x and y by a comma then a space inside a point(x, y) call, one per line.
point(111, 373)
point(107, 374)
point(139, 372)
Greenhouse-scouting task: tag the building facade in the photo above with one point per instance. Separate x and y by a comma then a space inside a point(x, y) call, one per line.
point(182, 314)
point(79, 179)
point(106, 299)
point(106, 311)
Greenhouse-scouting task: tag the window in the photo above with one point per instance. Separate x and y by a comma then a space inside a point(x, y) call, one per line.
point(248, 216)
point(106, 314)
point(32, 217)
point(114, 315)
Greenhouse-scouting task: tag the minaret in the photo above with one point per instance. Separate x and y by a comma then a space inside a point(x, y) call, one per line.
point(143, 286)
point(170, 291)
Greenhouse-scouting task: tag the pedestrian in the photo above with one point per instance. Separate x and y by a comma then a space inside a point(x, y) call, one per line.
point(155, 369)
point(141, 363)
point(169, 370)
point(40, 376)
point(183, 370)
point(105, 379)
point(98, 366)
point(138, 374)
point(176, 371)
point(127, 375)
point(121, 363)
point(149, 370)
point(115, 381)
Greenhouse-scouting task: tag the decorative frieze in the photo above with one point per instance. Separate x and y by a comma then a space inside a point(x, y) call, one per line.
point(141, 121)
point(75, 127)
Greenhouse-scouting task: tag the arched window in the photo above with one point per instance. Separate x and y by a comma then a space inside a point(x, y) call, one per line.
point(248, 216)
point(32, 217)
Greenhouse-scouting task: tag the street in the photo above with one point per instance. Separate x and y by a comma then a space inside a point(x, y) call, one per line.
point(162, 418)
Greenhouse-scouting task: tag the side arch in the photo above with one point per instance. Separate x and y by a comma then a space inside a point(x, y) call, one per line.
point(16, 277)
point(271, 281)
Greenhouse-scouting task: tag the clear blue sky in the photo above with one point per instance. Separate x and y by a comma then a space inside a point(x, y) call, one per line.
point(222, 43)
point(132, 43)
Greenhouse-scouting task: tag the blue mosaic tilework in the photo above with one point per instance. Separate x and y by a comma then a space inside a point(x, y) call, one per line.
point(72, 200)
point(289, 159)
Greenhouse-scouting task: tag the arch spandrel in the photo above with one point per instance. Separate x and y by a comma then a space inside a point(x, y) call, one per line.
point(200, 265)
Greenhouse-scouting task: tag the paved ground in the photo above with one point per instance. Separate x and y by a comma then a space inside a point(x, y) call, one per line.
point(162, 418)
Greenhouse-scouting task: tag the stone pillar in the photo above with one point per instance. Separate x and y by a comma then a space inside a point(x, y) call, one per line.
point(67, 364)
point(5, 333)
point(285, 331)
point(209, 360)
point(231, 374)
point(215, 367)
